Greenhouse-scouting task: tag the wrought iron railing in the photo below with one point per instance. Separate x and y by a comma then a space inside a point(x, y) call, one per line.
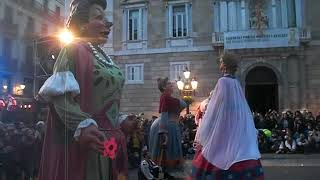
point(218, 38)
point(304, 34)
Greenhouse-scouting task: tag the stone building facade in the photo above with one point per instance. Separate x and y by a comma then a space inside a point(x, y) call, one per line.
point(21, 23)
point(279, 65)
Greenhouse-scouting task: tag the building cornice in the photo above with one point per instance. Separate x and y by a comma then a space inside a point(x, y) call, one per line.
point(162, 50)
point(130, 3)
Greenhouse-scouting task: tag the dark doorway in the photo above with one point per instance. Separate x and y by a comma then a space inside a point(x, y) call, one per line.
point(262, 89)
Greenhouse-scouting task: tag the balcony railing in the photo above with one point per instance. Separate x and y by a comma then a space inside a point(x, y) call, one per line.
point(303, 35)
point(218, 38)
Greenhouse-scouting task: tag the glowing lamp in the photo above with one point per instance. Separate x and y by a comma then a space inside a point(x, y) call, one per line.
point(180, 85)
point(186, 74)
point(194, 84)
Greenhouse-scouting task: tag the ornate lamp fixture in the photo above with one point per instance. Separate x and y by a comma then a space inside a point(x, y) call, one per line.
point(187, 87)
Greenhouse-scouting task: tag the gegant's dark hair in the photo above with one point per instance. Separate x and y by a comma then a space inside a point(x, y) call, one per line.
point(162, 83)
point(230, 62)
point(79, 14)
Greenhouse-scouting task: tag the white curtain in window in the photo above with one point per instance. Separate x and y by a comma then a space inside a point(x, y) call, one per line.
point(216, 15)
point(140, 19)
point(137, 73)
point(232, 16)
point(134, 73)
point(244, 15)
point(223, 16)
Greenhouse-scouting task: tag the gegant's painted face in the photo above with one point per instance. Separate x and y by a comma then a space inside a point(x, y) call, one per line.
point(98, 28)
point(222, 66)
point(169, 87)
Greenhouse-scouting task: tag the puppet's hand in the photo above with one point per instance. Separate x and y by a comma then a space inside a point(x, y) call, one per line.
point(92, 138)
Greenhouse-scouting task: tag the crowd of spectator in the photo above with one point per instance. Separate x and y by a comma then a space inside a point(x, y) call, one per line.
point(20, 150)
point(288, 132)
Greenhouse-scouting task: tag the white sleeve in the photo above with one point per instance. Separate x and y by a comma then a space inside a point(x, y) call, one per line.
point(83, 124)
point(121, 117)
point(58, 84)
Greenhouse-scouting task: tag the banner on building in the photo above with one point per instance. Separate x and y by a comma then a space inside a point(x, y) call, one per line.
point(269, 39)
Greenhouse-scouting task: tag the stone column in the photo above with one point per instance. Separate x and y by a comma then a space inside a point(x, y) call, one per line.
point(302, 75)
point(294, 94)
point(283, 89)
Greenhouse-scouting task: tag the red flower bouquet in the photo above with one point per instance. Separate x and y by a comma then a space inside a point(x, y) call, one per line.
point(110, 148)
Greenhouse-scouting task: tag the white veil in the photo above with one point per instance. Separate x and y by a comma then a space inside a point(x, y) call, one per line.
point(227, 133)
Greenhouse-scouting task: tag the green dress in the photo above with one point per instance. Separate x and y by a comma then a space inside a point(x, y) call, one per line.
point(107, 84)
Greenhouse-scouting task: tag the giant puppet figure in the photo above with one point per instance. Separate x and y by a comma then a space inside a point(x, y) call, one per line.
point(165, 135)
point(84, 95)
point(226, 136)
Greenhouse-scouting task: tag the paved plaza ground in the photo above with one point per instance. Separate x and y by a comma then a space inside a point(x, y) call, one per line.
point(279, 167)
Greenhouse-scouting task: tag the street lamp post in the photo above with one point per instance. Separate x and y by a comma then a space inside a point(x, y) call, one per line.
point(187, 87)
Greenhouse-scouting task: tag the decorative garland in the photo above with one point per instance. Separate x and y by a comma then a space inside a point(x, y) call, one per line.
point(259, 19)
